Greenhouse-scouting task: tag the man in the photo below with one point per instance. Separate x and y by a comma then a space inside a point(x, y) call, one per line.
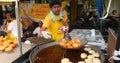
point(55, 23)
point(7, 19)
point(12, 28)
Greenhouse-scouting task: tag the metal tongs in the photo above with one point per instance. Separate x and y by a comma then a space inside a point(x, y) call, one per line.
point(67, 36)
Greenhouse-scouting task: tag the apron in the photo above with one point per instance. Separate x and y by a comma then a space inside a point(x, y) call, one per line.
point(55, 26)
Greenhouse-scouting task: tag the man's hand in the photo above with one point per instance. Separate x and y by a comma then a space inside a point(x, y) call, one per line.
point(63, 28)
point(7, 31)
point(46, 34)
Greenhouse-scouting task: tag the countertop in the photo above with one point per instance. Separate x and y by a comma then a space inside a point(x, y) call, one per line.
point(83, 34)
point(8, 57)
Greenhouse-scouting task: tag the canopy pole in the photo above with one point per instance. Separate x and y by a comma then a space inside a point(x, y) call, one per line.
point(18, 27)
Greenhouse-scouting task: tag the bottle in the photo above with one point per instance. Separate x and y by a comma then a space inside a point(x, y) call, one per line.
point(92, 34)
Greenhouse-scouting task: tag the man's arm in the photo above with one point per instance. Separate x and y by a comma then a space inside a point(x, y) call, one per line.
point(44, 28)
point(65, 21)
point(46, 23)
point(4, 24)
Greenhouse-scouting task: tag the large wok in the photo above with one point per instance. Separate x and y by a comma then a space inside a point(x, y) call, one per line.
point(48, 44)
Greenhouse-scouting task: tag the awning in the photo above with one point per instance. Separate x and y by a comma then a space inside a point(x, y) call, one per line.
point(5, 3)
point(7, 0)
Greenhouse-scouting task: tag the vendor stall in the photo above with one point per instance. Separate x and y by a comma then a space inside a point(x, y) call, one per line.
point(8, 51)
point(19, 47)
point(86, 45)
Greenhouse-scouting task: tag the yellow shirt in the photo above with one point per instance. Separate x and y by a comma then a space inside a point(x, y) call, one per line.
point(53, 26)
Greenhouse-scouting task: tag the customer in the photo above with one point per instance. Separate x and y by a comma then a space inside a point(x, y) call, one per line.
point(7, 19)
point(12, 27)
point(55, 23)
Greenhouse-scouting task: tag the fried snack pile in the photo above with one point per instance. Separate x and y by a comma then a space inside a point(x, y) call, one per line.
point(6, 44)
point(74, 43)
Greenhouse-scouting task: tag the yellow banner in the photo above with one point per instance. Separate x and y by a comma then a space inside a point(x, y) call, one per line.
point(38, 11)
